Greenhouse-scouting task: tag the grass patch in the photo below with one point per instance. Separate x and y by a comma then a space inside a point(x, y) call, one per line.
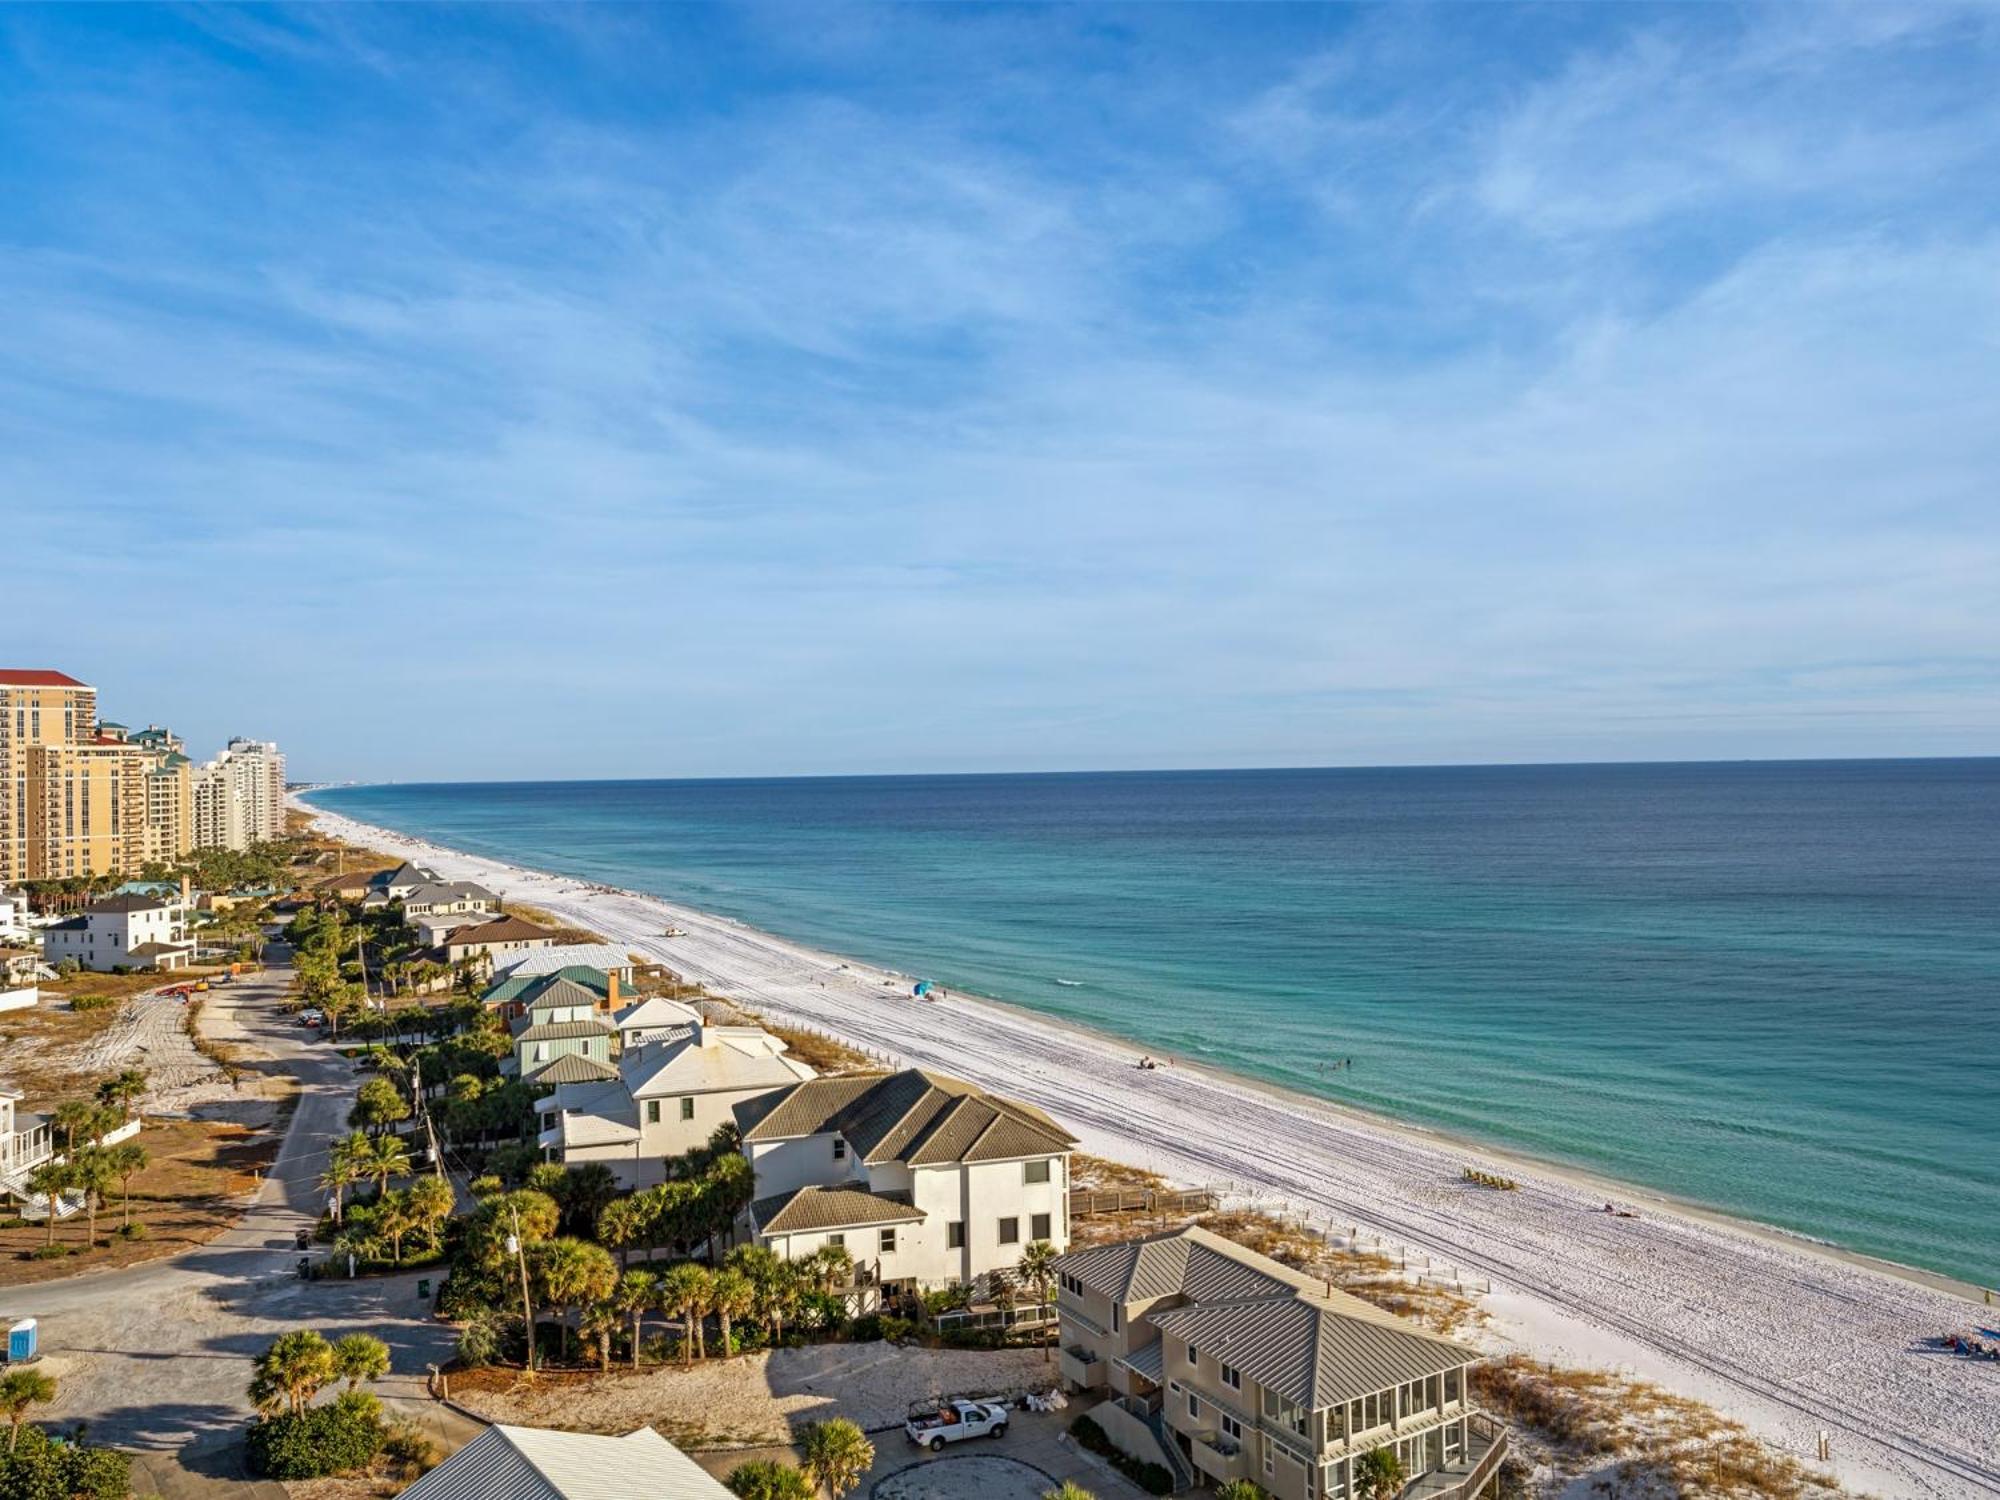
point(1657, 1443)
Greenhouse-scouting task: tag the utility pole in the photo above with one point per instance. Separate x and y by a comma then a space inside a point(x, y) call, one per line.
point(521, 1257)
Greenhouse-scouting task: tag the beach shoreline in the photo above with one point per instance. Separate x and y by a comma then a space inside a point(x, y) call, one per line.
point(1722, 1308)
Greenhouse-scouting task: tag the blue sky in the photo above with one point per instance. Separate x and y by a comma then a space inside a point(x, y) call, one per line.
point(494, 392)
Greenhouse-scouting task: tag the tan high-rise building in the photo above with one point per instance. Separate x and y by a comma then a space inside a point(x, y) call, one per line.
point(169, 836)
point(38, 710)
point(86, 809)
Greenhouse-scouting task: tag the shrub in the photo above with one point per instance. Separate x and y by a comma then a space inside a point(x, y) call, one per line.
point(894, 1329)
point(479, 1342)
point(319, 1441)
point(865, 1329)
point(1152, 1478)
point(409, 1450)
point(50, 1252)
point(768, 1479)
point(93, 1002)
point(133, 1231)
point(39, 1466)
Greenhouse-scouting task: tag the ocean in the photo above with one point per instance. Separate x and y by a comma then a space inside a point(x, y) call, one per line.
point(1768, 988)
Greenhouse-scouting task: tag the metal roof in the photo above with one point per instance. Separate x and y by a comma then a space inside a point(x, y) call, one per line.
point(1288, 1331)
point(574, 1068)
point(548, 960)
point(814, 1208)
point(532, 1463)
point(563, 1031)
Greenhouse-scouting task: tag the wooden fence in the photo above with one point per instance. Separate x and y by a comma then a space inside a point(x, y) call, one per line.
point(1086, 1204)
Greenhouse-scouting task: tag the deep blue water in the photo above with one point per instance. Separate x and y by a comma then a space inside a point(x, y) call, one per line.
point(1770, 988)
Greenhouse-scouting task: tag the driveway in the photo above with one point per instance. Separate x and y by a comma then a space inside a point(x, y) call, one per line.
point(157, 1357)
point(1035, 1456)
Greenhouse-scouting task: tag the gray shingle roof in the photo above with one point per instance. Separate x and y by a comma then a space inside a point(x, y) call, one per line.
point(920, 1118)
point(811, 1208)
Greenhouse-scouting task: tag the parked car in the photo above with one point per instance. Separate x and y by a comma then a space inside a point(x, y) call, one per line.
point(312, 1017)
point(932, 1424)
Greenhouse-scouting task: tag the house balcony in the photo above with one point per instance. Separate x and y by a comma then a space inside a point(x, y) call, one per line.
point(1081, 1368)
point(1220, 1457)
point(1469, 1476)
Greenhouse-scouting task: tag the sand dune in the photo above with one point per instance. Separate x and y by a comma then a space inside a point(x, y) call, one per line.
point(1789, 1340)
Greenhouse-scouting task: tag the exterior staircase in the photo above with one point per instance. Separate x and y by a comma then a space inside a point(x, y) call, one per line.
point(1183, 1470)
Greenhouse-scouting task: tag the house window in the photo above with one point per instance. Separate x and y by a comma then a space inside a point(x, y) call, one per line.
point(888, 1241)
point(1038, 1227)
point(1010, 1231)
point(839, 1148)
point(837, 1239)
point(1117, 1317)
point(687, 1112)
point(1036, 1171)
point(1232, 1377)
point(652, 1111)
point(1269, 1467)
point(954, 1235)
point(1194, 1355)
point(1194, 1405)
point(1231, 1427)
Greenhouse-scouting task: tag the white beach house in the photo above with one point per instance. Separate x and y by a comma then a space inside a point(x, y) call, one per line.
point(925, 1180)
point(123, 932)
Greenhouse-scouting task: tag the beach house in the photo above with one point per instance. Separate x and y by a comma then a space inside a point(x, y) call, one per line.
point(496, 938)
point(666, 1095)
point(1222, 1364)
point(926, 1181)
point(123, 932)
point(560, 1018)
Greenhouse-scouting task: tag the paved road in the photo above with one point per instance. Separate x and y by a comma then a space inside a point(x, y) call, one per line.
point(157, 1357)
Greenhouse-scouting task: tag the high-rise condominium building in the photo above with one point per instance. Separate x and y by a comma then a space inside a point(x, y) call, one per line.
point(239, 797)
point(38, 710)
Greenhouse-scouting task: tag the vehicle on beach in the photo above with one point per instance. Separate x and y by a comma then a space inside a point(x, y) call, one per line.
point(932, 1424)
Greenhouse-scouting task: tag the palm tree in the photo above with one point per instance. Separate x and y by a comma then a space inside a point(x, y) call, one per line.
point(837, 1453)
point(49, 1182)
point(387, 1157)
point(431, 1202)
point(1069, 1489)
point(127, 1160)
point(1378, 1474)
point(684, 1291)
point(90, 1170)
point(19, 1390)
point(619, 1224)
point(394, 1218)
point(359, 1357)
point(1038, 1267)
point(346, 1164)
point(1242, 1489)
point(637, 1292)
point(600, 1321)
point(571, 1274)
point(730, 1296)
point(832, 1265)
point(74, 1117)
point(123, 1089)
point(292, 1371)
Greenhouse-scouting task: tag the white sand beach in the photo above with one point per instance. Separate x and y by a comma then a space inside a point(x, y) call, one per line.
point(1788, 1339)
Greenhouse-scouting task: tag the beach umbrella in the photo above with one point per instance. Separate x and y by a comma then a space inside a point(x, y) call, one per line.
point(923, 987)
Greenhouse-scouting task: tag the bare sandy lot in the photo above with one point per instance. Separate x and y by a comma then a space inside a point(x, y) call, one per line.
point(756, 1398)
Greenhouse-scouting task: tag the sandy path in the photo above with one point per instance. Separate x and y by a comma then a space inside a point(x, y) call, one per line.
point(1786, 1340)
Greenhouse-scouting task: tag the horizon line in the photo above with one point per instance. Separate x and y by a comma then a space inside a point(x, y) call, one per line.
point(1525, 765)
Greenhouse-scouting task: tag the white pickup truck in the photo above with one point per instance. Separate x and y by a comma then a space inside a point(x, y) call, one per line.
point(933, 1424)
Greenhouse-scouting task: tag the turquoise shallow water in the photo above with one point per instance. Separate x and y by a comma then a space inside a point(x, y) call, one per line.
point(1770, 988)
